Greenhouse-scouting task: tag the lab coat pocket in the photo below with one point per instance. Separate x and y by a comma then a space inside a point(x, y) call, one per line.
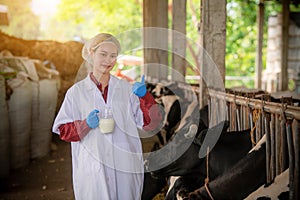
point(129, 159)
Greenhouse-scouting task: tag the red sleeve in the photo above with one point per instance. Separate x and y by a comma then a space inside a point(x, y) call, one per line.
point(151, 112)
point(73, 131)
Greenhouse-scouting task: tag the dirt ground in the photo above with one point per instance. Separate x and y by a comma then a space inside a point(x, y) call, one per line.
point(47, 178)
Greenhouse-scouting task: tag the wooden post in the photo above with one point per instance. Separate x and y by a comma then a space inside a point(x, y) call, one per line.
point(213, 41)
point(283, 77)
point(178, 40)
point(260, 33)
point(155, 39)
point(4, 15)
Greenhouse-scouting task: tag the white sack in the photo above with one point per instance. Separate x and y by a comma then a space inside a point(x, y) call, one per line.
point(4, 132)
point(43, 107)
point(19, 111)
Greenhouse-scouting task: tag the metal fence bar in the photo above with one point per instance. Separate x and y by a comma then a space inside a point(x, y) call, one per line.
point(273, 120)
point(291, 158)
point(284, 147)
point(297, 157)
point(277, 145)
point(273, 147)
point(260, 127)
point(290, 111)
point(268, 148)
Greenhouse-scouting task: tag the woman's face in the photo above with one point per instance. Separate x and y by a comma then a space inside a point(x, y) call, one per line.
point(104, 58)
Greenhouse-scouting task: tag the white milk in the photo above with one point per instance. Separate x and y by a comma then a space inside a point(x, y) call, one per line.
point(107, 122)
point(106, 125)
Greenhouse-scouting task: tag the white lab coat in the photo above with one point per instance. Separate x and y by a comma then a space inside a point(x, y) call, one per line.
point(105, 166)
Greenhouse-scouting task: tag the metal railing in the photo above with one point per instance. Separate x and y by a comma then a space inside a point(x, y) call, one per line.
point(278, 121)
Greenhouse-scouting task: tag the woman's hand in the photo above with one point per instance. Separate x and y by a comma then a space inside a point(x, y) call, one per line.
point(92, 120)
point(139, 88)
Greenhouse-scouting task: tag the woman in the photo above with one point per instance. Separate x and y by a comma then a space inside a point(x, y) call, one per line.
point(106, 165)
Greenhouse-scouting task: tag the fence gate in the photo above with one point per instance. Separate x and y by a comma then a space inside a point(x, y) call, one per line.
point(278, 121)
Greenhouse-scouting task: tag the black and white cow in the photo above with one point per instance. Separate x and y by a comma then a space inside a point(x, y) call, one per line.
point(173, 114)
point(182, 183)
point(161, 89)
point(177, 147)
point(186, 163)
point(221, 158)
point(171, 97)
point(152, 185)
point(178, 115)
point(228, 150)
point(186, 132)
point(237, 183)
point(279, 189)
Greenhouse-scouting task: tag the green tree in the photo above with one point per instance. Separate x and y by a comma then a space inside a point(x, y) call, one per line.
point(85, 18)
point(241, 33)
point(241, 38)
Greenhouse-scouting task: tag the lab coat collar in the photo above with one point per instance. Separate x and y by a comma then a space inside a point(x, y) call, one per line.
point(90, 85)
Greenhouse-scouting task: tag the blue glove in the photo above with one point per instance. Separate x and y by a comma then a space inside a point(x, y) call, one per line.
point(92, 120)
point(139, 88)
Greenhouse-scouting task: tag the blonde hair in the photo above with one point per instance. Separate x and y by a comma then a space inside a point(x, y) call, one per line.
point(96, 41)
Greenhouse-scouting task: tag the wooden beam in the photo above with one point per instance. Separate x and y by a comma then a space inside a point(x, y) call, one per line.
point(155, 39)
point(283, 77)
point(213, 41)
point(178, 40)
point(260, 34)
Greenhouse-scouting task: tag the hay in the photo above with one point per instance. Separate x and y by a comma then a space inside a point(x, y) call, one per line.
point(66, 57)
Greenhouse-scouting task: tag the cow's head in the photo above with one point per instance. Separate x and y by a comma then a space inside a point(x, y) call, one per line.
point(172, 156)
point(177, 145)
point(180, 156)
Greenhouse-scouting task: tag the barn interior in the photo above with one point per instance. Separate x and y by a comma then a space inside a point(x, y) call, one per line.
point(35, 75)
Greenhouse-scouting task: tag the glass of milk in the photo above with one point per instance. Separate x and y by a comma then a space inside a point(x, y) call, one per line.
point(107, 122)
